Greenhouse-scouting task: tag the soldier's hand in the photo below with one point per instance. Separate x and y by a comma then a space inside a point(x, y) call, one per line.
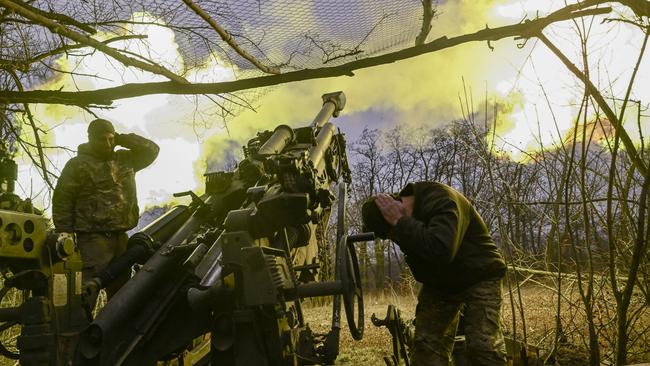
point(391, 209)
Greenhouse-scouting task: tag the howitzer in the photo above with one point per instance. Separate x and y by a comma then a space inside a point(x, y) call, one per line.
point(48, 274)
point(401, 336)
point(238, 262)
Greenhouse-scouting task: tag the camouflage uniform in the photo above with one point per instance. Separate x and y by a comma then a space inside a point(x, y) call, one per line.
point(96, 198)
point(436, 321)
point(450, 250)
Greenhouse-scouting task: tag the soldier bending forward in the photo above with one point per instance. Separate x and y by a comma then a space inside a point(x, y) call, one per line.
point(449, 249)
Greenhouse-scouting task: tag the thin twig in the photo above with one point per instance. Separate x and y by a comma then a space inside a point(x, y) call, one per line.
point(108, 95)
point(227, 37)
point(64, 31)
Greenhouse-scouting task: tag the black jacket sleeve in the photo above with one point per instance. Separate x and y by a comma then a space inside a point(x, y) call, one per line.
point(141, 151)
point(64, 198)
point(437, 237)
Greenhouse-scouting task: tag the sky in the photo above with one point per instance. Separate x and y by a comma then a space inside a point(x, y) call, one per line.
point(532, 88)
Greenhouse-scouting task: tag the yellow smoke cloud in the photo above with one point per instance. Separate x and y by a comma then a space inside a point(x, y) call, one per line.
point(175, 123)
point(422, 91)
point(543, 96)
point(418, 91)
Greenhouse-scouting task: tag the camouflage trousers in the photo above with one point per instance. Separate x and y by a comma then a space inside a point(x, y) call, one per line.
point(436, 321)
point(97, 251)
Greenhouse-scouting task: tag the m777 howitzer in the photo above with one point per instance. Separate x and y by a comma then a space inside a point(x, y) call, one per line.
point(238, 262)
point(44, 272)
point(401, 336)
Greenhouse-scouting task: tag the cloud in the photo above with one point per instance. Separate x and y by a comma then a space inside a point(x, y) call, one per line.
point(542, 95)
point(422, 90)
point(529, 84)
point(176, 123)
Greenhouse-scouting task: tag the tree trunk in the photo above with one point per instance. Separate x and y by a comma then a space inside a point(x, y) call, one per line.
point(379, 265)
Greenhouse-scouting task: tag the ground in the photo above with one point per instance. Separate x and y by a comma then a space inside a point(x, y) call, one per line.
point(376, 342)
point(539, 311)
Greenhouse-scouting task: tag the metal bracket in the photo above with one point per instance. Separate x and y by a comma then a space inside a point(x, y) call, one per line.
point(196, 200)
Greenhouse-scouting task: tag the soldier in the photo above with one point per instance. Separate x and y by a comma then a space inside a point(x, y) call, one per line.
point(449, 249)
point(95, 197)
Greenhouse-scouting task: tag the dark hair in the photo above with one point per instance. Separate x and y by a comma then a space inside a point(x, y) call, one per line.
point(373, 220)
point(99, 127)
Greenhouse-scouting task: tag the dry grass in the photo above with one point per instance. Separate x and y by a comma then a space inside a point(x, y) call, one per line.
point(539, 302)
point(376, 342)
point(540, 307)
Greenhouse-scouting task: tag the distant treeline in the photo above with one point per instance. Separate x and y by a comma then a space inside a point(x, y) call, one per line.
point(576, 212)
point(553, 202)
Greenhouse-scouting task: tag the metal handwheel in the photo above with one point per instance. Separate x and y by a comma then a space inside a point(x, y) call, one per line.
point(5, 326)
point(347, 269)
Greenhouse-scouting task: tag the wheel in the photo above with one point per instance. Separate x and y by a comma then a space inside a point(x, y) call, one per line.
point(8, 331)
point(347, 271)
point(340, 211)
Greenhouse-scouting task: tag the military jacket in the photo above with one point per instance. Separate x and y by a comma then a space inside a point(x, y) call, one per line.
point(446, 243)
point(95, 194)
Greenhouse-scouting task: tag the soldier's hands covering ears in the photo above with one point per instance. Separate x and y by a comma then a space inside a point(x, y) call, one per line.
point(391, 209)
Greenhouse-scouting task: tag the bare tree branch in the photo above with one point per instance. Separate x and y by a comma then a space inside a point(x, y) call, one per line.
point(428, 12)
point(227, 37)
point(106, 96)
point(593, 91)
point(23, 65)
point(639, 7)
point(62, 18)
point(35, 131)
point(62, 30)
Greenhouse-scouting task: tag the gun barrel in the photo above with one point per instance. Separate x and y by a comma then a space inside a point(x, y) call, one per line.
point(333, 104)
point(323, 140)
point(161, 229)
point(134, 294)
point(282, 136)
point(143, 243)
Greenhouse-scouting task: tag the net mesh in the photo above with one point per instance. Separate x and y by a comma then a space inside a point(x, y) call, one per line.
point(288, 34)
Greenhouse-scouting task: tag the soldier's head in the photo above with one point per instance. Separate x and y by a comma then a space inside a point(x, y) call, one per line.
point(101, 136)
point(373, 220)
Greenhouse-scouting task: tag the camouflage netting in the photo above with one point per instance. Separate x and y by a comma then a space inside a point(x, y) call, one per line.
point(285, 35)
point(288, 34)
